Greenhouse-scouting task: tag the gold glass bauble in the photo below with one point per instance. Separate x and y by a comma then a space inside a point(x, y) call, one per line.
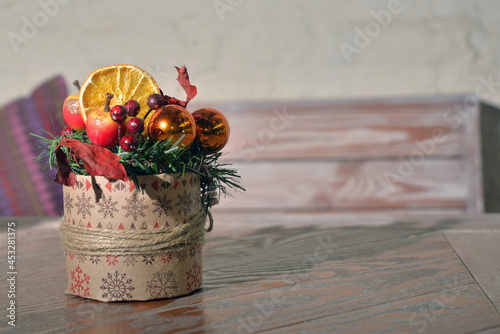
point(212, 129)
point(171, 122)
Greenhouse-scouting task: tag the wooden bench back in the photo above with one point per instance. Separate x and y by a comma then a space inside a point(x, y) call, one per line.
point(418, 155)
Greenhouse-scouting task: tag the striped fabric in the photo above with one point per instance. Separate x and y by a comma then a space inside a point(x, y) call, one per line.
point(26, 189)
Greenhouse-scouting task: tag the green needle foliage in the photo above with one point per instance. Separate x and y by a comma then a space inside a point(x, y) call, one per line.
point(154, 157)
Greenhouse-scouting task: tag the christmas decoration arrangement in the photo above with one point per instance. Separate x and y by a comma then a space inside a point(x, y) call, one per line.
point(139, 174)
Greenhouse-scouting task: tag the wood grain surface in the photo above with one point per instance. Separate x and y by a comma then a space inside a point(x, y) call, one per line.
point(480, 252)
point(357, 155)
point(354, 130)
point(350, 185)
point(280, 273)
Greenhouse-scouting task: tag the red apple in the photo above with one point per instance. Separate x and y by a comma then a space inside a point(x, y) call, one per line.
point(101, 128)
point(71, 113)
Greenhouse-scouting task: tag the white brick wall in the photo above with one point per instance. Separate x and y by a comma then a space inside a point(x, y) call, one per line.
point(256, 49)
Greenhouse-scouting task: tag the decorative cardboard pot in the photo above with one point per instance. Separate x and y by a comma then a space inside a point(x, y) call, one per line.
point(117, 240)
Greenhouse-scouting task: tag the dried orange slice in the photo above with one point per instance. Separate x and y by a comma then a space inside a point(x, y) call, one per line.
point(125, 82)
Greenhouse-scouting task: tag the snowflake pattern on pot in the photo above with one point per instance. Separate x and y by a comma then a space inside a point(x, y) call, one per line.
point(162, 285)
point(182, 254)
point(78, 280)
point(68, 203)
point(130, 260)
point(117, 287)
point(84, 205)
point(194, 277)
point(107, 207)
point(111, 260)
point(166, 257)
point(184, 204)
point(81, 258)
point(193, 250)
point(95, 259)
point(148, 259)
point(162, 205)
point(135, 207)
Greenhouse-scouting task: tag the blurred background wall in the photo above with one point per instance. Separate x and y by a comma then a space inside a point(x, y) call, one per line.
point(242, 50)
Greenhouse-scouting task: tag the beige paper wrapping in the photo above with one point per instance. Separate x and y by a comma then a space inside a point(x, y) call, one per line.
point(98, 203)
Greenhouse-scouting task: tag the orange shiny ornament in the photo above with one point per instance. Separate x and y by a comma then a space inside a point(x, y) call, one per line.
point(171, 122)
point(212, 129)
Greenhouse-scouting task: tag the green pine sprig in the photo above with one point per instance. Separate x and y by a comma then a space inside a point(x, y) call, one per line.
point(155, 157)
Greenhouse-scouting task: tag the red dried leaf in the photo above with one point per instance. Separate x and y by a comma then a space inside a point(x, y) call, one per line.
point(173, 100)
point(98, 161)
point(183, 79)
point(65, 174)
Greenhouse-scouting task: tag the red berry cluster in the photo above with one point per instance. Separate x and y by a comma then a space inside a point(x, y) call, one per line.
point(135, 125)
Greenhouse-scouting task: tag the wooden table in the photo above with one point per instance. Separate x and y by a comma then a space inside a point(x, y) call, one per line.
point(288, 273)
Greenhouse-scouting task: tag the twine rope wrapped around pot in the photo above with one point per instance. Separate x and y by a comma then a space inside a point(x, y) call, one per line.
point(102, 242)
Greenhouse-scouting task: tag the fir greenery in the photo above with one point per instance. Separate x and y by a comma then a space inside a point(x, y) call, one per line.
point(154, 157)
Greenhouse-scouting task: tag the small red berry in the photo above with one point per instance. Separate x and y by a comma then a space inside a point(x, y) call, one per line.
point(155, 101)
point(132, 107)
point(67, 131)
point(129, 143)
point(119, 113)
point(135, 125)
